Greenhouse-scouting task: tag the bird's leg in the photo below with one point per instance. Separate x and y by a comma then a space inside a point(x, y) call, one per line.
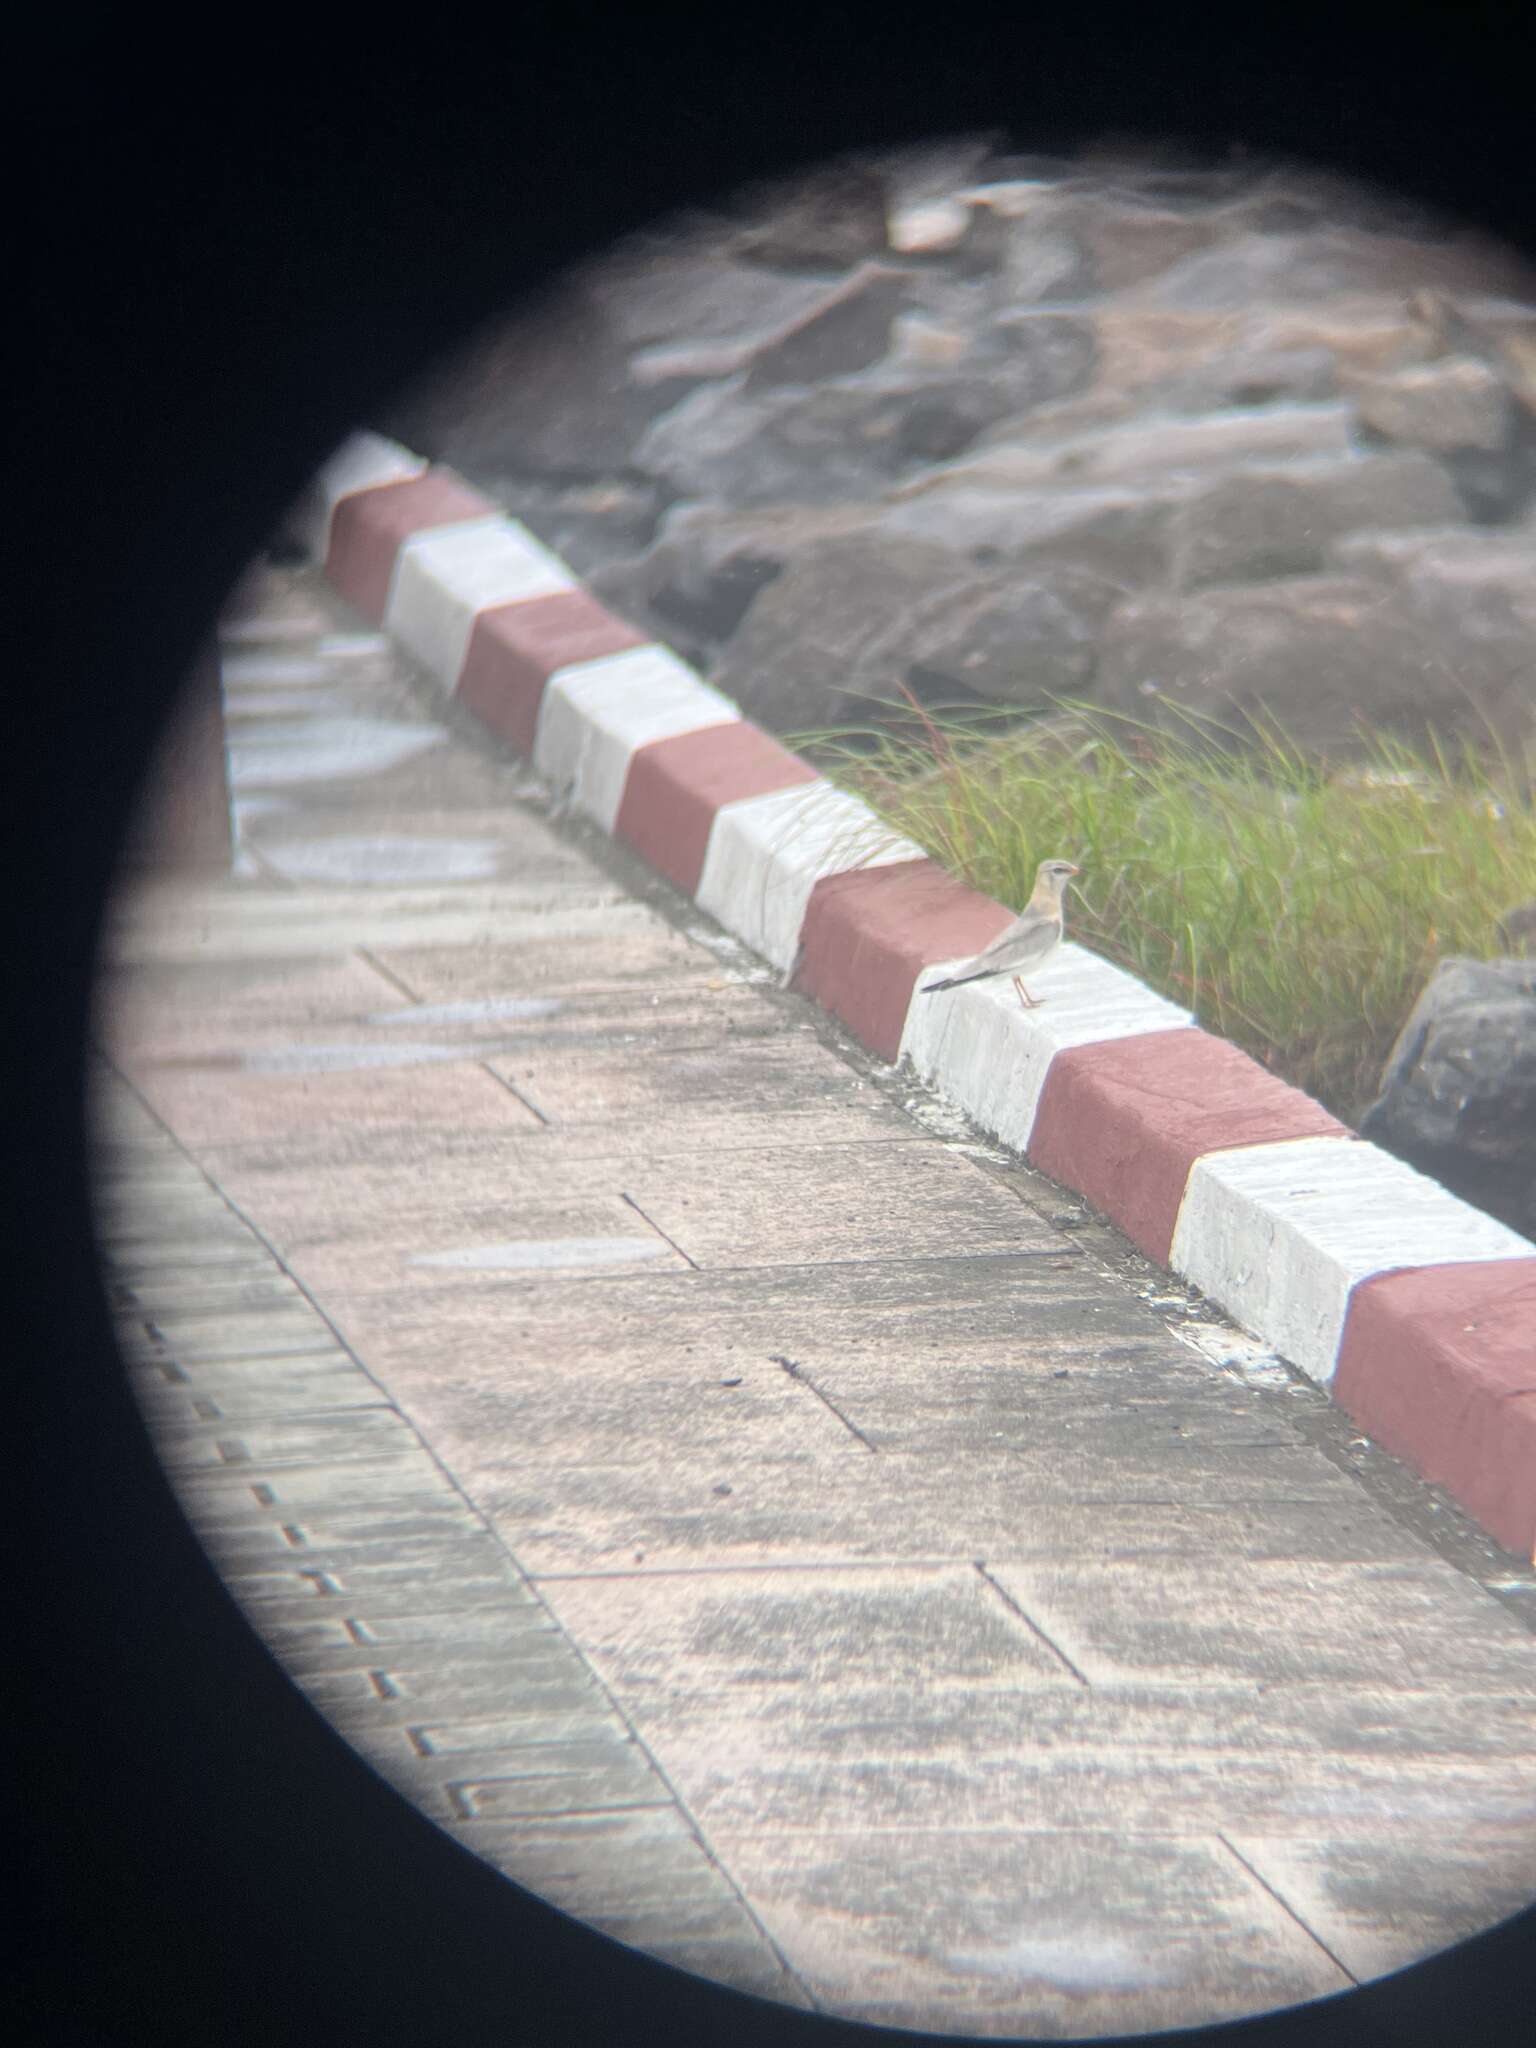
point(1026, 1000)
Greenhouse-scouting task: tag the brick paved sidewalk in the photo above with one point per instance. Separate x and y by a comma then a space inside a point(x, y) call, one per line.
point(715, 1487)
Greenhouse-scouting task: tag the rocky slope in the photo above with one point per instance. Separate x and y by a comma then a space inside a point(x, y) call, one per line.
point(998, 429)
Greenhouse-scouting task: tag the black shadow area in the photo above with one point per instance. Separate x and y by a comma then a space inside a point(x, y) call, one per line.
point(238, 240)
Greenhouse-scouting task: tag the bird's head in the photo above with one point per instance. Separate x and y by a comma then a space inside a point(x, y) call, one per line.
point(1056, 873)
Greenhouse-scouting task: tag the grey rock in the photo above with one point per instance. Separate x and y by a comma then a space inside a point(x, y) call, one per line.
point(1149, 449)
point(1455, 403)
point(1041, 262)
point(1128, 243)
point(847, 622)
point(1460, 409)
point(1326, 656)
point(1120, 533)
point(663, 291)
point(1458, 1094)
point(844, 327)
point(1461, 565)
point(1012, 640)
point(1280, 521)
point(1041, 356)
point(847, 436)
point(1249, 377)
point(708, 562)
point(829, 638)
point(1333, 262)
point(848, 330)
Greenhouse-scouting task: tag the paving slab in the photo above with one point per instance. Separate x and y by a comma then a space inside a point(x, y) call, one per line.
point(1441, 1890)
point(213, 1102)
point(1362, 1623)
point(1039, 1934)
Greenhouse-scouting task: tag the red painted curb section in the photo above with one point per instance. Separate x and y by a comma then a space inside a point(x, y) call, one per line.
point(674, 788)
point(1439, 1366)
point(869, 933)
point(1123, 1122)
point(514, 649)
point(368, 528)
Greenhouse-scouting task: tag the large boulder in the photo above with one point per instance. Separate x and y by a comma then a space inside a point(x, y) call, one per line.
point(847, 624)
point(1120, 532)
point(845, 326)
point(1455, 403)
point(1189, 358)
point(707, 562)
point(1458, 1094)
point(659, 291)
point(1328, 657)
point(1461, 410)
point(1279, 521)
point(828, 639)
point(1019, 639)
point(1455, 565)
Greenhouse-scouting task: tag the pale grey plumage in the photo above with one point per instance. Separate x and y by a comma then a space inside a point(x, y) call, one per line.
point(1027, 943)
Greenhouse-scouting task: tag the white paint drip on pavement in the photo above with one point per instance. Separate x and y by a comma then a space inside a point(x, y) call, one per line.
point(384, 857)
point(327, 750)
point(469, 1012)
point(1081, 1963)
point(296, 670)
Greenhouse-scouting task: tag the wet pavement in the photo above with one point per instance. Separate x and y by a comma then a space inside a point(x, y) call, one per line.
point(716, 1486)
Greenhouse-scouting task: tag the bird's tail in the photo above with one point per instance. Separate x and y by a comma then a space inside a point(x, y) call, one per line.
point(932, 988)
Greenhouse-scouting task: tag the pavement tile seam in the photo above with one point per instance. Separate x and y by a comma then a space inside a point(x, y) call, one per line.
point(1285, 1905)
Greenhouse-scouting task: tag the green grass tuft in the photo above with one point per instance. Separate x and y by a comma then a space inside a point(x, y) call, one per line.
point(1297, 906)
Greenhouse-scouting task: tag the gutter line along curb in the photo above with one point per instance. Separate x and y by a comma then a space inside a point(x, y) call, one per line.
point(1413, 1309)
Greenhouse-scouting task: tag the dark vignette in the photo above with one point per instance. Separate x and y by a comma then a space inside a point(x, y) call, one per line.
point(233, 249)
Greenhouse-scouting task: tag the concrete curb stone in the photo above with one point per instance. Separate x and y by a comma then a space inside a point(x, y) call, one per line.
point(1414, 1309)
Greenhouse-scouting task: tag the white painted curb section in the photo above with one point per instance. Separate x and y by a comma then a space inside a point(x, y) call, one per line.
point(1281, 1233)
point(359, 464)
point(767, 853)
point(981, 1048)
point(594, 714)
point(443, 578)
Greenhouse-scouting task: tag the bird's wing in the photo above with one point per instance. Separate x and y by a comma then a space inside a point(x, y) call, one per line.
point(991, 956)
point(1028, 939)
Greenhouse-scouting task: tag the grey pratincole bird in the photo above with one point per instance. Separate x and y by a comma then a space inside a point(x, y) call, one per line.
point(1028, 942)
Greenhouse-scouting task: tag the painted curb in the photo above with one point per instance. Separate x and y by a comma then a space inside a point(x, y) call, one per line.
point(1415, 1310)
